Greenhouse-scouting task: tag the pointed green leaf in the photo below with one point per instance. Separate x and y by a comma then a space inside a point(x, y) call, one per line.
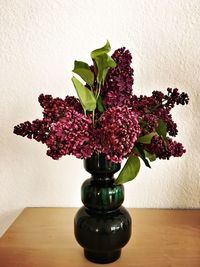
point(161, 129)
point(129, 171)
point(146, 162)
point(100, 105)
point(146, 139)
point(139, 150)
point(103, 50)
point(151, 157)
point(104, 63)
point(83, 70)
point(86, 96)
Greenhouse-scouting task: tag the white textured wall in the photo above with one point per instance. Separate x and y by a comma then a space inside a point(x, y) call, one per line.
point(39, 41)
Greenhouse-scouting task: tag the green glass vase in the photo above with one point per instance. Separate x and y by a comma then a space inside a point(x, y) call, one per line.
point(102, 226)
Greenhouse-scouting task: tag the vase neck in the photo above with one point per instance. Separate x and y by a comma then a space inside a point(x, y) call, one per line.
point(106, 178)
point(100, 168)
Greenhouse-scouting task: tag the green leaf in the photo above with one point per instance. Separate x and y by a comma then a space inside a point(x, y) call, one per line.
point(100, 105)
point(83, 70)
point(86, 96)
point(139, 150)
point(161, 129)
point(142, 123)
point(129, 171)
point(151, 157)
point(146, 139)
point(104, 63)
point(103, 50)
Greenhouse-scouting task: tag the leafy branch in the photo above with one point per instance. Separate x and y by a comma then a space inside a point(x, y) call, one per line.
point(132, 165)
point(90, 99)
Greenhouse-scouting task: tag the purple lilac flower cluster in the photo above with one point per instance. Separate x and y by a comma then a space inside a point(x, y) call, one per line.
point(117, 89)
point(55, 108)
point(163, 149)
point(66, 130)
point(63, 129)
point(118, 129)
point(151, 110)
point(70, 135)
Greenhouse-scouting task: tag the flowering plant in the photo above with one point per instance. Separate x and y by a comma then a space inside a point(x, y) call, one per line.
point(107, 118)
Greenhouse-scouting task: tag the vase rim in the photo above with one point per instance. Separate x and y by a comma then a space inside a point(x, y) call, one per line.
point(97, 165)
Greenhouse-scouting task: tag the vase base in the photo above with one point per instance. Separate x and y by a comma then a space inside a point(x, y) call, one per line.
point(102, 257)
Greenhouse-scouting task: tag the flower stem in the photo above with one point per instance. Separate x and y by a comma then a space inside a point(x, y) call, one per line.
point(93, 118)
point(99, 90)
point(156, 106)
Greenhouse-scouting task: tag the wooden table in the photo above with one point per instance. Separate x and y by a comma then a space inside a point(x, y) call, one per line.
point(43, 237)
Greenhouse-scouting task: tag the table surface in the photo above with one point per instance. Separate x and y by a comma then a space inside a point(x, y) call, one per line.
point(43, 237)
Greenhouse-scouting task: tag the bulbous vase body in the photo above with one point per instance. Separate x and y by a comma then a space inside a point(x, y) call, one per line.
point(102, 226)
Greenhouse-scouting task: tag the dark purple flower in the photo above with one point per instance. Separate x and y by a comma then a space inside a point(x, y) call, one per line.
point(72, 134)
point(150, 123)
point(158, 105)
point(55, 108)
point(38, 130)
point(165, 149)
point(63, 129)
point(117, 132)
point(174, 97)
point(66, 130)
point(164, 114)
point(117, 89)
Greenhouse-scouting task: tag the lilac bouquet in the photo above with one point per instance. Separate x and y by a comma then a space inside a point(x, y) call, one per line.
point(107, 118)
